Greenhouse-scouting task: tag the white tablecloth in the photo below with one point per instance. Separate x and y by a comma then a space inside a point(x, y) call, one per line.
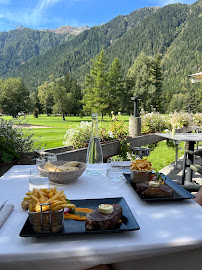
point(164, 228)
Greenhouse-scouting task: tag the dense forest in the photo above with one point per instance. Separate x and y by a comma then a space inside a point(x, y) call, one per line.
point(19, 45)
point(75, 55)
point(173, 33)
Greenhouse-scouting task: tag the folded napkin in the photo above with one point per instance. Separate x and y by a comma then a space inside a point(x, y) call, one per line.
point(5, 213)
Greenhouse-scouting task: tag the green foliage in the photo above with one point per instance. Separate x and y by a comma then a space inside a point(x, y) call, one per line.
point(75, 55)
point(176, 102)
point(184, 55)
point(45, 97)
point(95, 92)
point(36, 113)
point(61, 96)
point(173, 32)
point(154, 122)
point(14, 97)
point(79, 136)
point(118, 129)
point(144, 81)
point(158, 81)
point(180, 119)
point(197, 119)
point(18, 46)
point(116, 93)
point(14, 142)
point(7, 154)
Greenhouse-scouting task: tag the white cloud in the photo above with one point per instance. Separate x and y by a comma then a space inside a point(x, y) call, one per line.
point(37, 17)
point(30, 17)
point(39, 13)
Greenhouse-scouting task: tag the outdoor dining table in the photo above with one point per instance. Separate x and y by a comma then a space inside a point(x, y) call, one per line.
point(191, 138)
point(170, 234)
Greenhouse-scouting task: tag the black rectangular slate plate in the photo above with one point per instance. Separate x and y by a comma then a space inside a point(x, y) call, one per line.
point(73, 227)
point(179, 193)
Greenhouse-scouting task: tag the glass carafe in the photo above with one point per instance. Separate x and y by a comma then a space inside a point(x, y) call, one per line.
point(94, 157)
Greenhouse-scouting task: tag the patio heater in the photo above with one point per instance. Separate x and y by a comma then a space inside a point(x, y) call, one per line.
point(135, 120)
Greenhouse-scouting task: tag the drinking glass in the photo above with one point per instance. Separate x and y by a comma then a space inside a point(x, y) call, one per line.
point(114, 169)
point(37, 181)
point(40, 160)
point(52, 158)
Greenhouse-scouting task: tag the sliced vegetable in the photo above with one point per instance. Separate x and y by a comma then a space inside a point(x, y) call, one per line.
point(83, 210)
point(74, 217)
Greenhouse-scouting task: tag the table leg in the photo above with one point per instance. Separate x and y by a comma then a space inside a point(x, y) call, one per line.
point(189, 161)
point(176, 155)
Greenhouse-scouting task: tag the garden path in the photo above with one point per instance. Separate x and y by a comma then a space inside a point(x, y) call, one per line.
point(30, 126)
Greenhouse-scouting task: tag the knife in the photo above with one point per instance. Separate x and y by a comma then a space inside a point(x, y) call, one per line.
point(3, 205)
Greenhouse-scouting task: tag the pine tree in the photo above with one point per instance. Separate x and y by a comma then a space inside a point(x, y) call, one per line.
point(76, 98)
point(95, 94)
point(157, 101)
point(115, 88)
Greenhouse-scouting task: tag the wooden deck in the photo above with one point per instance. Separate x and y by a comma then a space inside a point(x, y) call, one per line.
point(175, 173)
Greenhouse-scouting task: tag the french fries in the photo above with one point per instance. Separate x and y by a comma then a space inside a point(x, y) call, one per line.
point(34, 198)
point(141, 165)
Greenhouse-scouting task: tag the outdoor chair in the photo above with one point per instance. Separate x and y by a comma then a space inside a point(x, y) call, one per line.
point(196, 168)
point(187, 163)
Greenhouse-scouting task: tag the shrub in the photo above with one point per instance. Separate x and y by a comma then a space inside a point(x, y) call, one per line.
point(154, 122)
point(197, 119)
point(14, 142)
point(79, 136)
point(180, 119)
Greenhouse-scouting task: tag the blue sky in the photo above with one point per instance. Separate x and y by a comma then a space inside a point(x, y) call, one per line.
point(41, 14)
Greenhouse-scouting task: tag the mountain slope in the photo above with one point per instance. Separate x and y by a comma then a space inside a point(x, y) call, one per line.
point(76, 53)
point(19, 45)
point(184, 56)
point(173, 31)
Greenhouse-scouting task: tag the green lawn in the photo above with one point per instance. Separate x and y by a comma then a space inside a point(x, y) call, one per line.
point(163, 155)
point(52, 137)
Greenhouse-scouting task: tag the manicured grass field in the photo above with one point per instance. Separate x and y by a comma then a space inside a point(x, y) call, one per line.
point(52, 137)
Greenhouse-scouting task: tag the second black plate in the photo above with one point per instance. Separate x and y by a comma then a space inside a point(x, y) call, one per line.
point(73, 227)
point(179, 193)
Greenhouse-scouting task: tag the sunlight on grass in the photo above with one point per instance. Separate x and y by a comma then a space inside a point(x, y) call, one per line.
point(163, 155)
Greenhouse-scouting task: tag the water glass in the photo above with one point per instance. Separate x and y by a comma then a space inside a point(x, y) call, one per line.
point(37, 181)
point(40, 160)
point(52, 158)
point(114, 169)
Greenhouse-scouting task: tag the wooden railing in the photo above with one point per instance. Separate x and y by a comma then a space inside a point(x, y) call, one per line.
point(109, 149)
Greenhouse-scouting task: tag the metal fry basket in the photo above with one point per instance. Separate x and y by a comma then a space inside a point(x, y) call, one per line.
point(47, 221)
point(140, 176)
